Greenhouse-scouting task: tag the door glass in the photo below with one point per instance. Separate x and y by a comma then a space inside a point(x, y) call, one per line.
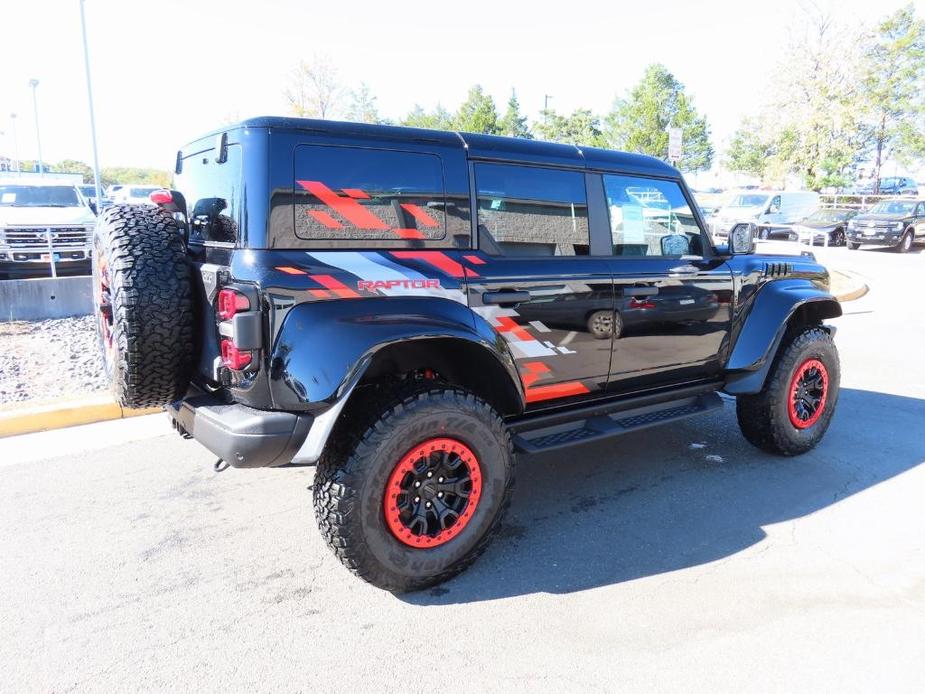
point(650, 218)
point(528, 211)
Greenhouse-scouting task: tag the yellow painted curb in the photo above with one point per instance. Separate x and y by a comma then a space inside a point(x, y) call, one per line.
point(65, 413)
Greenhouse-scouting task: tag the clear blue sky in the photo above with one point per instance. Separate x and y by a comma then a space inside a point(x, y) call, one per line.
point(166, 71)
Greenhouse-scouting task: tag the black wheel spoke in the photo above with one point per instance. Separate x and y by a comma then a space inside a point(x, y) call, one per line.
point(433, 493)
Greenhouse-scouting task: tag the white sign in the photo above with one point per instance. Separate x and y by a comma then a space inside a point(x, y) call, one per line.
point(674, 143)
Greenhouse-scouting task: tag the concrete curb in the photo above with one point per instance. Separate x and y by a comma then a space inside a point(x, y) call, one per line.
point(65, 413)
point(846, 286)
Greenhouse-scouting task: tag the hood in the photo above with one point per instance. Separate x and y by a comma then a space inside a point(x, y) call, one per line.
point(46, 216)
point(881, 217)
point(820, 225)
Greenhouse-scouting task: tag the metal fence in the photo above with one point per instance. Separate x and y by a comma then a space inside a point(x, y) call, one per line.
point(858, 202)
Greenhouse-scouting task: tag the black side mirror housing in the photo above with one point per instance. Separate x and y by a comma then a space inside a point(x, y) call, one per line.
point(742, 238)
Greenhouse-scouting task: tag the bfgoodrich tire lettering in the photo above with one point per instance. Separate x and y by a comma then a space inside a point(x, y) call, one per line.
point(143, 304)
point(765, 418)
point(351, 480)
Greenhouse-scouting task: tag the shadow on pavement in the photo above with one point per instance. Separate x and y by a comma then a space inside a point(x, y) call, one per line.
point(676, 497)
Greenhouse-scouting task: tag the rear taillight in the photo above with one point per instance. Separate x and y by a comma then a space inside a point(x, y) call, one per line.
point(231, 302)
point(161, 197)
point(234, 358)
point(240, 327)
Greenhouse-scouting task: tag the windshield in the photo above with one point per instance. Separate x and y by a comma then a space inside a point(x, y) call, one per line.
point(748, 200)
point(889, 182)
point(39, 196)
point(88, 191)
point(892, 207)
point(829, 216)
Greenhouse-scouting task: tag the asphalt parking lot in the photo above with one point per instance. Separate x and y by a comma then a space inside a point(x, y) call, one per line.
point(678, 559)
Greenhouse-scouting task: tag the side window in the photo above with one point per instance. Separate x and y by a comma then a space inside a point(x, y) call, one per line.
point(213, 195)
point(650, 218)
point(354, 193)
point(530, 211)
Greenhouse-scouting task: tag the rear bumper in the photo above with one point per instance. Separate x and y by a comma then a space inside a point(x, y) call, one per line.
point(241, 436)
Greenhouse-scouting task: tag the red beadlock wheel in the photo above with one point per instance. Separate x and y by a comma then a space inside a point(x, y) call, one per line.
point(432, 493)
point(807, 394)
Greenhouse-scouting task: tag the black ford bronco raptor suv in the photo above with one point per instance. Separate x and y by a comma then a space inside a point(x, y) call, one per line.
point(406, 308)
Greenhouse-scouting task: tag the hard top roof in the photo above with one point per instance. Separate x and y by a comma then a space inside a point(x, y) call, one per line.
point(478, 146)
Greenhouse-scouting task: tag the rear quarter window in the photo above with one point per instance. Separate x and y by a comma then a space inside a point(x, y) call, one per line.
point(213, 193)
point(372, 197)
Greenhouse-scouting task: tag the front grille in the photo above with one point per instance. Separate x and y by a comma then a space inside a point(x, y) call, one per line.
point(35, 237)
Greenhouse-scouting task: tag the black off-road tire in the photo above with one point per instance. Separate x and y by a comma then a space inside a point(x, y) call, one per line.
point(764, 417)
point(350, 483)
point(143, 304)
point(852, 246)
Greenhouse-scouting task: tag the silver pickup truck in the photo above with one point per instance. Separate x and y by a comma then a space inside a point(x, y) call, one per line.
point(45, 229)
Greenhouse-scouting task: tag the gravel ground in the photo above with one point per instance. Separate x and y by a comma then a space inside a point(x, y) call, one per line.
point(50, 359)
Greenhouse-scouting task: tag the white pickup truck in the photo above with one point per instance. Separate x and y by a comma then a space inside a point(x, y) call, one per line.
point(45, 229)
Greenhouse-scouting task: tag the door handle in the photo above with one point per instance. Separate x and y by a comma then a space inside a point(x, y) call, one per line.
point(640, 291)
point(506, 297)
point(684, 270)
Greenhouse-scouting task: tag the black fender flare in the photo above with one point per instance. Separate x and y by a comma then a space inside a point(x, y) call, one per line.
point(324, 347)
point(766, 323)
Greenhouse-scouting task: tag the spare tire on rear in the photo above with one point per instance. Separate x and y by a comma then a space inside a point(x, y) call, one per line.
point(142, 299)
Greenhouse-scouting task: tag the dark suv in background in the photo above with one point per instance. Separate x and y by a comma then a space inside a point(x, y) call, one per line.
point(894, 223)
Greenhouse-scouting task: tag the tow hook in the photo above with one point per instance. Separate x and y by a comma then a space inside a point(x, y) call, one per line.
point(220, 465)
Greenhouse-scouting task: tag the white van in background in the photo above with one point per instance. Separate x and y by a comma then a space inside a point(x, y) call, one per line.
point(766, 208)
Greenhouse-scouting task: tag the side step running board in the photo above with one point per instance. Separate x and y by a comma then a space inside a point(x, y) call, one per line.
point(603, 425)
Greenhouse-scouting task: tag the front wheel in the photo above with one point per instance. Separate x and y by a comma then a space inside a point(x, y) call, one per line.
point(792, 412)
point(905, 244)
point(853, 246)
point(417, 497)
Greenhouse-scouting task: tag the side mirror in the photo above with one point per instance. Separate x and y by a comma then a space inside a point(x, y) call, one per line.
point(742, 238)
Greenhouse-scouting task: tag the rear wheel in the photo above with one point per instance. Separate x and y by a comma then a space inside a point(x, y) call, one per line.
point(838, 237)
point(792, 412)
point(853, 246)
point(416, 496)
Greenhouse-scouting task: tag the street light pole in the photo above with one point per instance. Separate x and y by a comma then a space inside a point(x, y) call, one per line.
point(96, 161)
point(35, 108)
point(15, 143)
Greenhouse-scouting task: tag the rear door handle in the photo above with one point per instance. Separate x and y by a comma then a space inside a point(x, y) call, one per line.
point(506, 297)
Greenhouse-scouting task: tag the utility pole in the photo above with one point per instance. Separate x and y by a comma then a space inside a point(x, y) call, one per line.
point(96, 161)
point(15, 143)
point(35, 108)
point(546, 98)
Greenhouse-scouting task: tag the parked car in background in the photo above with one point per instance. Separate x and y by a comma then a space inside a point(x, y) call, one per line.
point(41, 222)
point(135, 195)
point(89, 193)
point(112, 190)
point(895, 223)
point(893, 185)
point(766, 209)
point(822, 226)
